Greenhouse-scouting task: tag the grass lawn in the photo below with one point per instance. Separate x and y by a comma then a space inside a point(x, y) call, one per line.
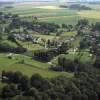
point(46, 37)
point(76, 42)
point(8, 43)
point(30, 46)
point(83, 56)
point(68, 34)
point(2, 85)
point(29, 67)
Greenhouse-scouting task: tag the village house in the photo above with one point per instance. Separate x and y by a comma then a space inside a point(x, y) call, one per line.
point(23, 37)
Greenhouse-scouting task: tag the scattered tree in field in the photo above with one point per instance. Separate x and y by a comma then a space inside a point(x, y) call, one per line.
point(83, 23)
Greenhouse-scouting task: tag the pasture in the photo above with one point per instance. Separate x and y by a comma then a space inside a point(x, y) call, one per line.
point(90, 14)
point(30, 46)
point(8, 43)
point(82, 56)
point(53, 14)
point(68, 34)
point(29, 67)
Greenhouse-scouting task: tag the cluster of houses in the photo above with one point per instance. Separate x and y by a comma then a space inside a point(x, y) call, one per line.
point(22, 37)
point(27, 37)
point(93, 37)
point(53, 43)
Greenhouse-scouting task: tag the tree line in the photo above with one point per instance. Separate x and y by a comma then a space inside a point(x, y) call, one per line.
point(84, 85)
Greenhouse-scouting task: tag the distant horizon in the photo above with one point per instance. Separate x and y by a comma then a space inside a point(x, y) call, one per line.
point(50, 0)
point(61, 1)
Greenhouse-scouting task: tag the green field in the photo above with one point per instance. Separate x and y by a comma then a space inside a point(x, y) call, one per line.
point(53, 14)
point(30, 46)
point(68, 34)
point(30, 66)
point(83, 57)
point(8, 43)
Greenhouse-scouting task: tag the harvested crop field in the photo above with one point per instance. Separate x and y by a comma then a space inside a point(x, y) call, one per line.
point(90, 14)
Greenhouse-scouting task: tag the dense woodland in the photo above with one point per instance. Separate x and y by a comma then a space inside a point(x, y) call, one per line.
point(76, 7)
point(79, 7)
point(84, 85)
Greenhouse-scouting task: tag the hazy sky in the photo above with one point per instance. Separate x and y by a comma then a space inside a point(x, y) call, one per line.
point(26, 0)
point(49, 0)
